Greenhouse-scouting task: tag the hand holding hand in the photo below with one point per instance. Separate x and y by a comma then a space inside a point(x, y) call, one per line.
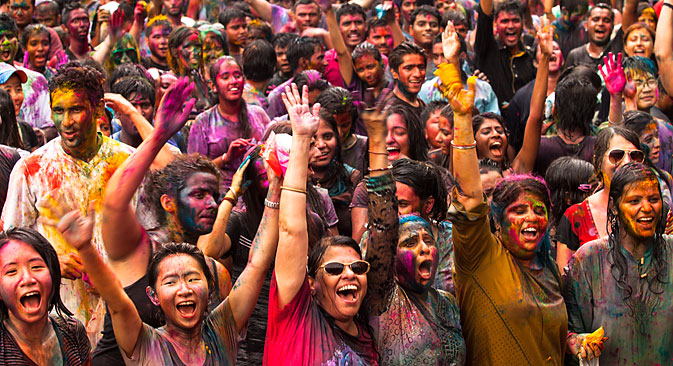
point(174, 109)
point(304, 120)
point(613, 74)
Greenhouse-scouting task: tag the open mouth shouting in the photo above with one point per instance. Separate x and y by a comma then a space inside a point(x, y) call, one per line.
point(496, 149)
point(349, 293)
point(425, 270)
point(31, 302)
point(530, 234)
point(186, 309)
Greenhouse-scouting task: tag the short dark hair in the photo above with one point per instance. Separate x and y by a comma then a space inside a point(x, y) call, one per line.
point(33, 29)
point(337, 100)
point(7, 23)
point(259, 60)
point(157, 21)
point(127, 70)
point(171, 179)
point(69, 8)
point(49, 7)
point(433, 106)
point(130, 85)
point(301, 47)
point(169, 249)
point(456, 16)
point(312, 79)
point(229, 14)
point(76, 76)
point(305, 2)
point(602, 145)
point(366, 48)
point(573, 5)
point(605, 6)
point(375, 22)
point(405, 48)
point(350, 9)
point(571, 115)
point(283, 40)
point(48, 254)
point(508, 6)
point(425, 10)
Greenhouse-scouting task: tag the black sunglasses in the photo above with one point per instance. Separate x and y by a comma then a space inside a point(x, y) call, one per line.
point(336, 268)
point(616, 155)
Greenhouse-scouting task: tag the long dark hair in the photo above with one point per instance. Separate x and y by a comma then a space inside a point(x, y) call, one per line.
point(426, 180)
point(48, 254)
point(602, 145)
point(9, 127)
point(244, 128)
point(418, 145)
point(478, 120)
point(624, 176)
point(508, 191)
point(568, 177)
point(335, 170)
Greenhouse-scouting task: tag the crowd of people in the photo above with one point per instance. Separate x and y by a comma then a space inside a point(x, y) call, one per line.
point(311, 182)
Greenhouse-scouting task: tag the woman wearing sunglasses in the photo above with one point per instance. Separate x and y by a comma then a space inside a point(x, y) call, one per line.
point(624, 282)
point(413, 323)
point(586, 221)
point(315, 316)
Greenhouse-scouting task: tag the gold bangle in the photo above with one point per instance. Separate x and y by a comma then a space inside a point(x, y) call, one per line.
point(380, 169)
point(378, 153)
point(298, 190)
point(234, 193)
point(464, 147)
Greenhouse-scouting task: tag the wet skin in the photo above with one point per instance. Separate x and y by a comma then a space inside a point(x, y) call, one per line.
point(197, 203)
point(640, 208)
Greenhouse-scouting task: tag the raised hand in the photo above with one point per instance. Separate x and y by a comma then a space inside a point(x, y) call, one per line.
point(237, 183)
point(546, 38)
point(613, 74)
point(304, 120)
point(375, 123)
point(140, 11)
point(236, 148)
point(60, 58)
point(461, 100)
point(450, 43)
point(77, 229)
point(175, 107)
point(325, 5)
point(116, 24)
point(118, 103)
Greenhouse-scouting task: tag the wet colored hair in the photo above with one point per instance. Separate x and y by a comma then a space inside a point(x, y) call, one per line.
point(366, 48)
point(337, 100)
point(172, 178)
point(564, 177)
point(9, 127)
point(76, 76)
point(639, 64)
point(48, 254)
point(7, 23)
point(625, 176)
point(569, 114)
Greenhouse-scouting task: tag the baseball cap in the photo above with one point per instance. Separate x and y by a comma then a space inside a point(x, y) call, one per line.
point(7, 70)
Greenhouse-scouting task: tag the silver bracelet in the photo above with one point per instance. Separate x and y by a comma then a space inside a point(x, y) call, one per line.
point(271, 204)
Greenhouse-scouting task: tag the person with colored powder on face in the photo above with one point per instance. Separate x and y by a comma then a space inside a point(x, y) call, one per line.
point(35, 108)
point(36, 40)
point(380, 34)
point(11, 80)
point(599, 25)
point(35, 326)
point(413, 323)
point(184, 59)
point(224, 132)
point(69, 171)
point(407, 65)
point(124, 51)
point(156, 34)
point(507, 284)
point(424, 29)
point(568, 29)
point(215, 45)
point(22, 12)
point(623, 282)
point(182, 196)
point(48, 13)
point(301, 15)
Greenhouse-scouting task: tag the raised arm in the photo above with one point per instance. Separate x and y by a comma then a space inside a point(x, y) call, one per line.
point(630, 13)
point(243, 296)
point(525, 159)
point(383, 220)
point(217, 242)
point(115, 33)
point(344, 57)
point(122, 106)
point(663, 45)
point(126, 322)
point(262, 7)
point(293, 235)
point(117, 211)
point(486, 6)
point(139, 15)
point(464, 154)
point(615, 81)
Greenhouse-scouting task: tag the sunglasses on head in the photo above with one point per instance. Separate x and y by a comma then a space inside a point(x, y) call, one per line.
point(616, 155)
point(336, 268)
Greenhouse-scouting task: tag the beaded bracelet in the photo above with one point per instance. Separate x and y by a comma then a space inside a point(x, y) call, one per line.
point(380, 169)
point(271, 204)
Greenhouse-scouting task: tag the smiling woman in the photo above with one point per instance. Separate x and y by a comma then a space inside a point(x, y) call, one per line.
point(29, 289)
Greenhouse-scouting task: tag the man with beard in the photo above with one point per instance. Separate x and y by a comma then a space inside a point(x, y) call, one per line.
point(407, 64)
point(424, 29)
point(69, 172)
point(174, 12)
point(599, 26)
point(505, 61)
point(156, 33)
